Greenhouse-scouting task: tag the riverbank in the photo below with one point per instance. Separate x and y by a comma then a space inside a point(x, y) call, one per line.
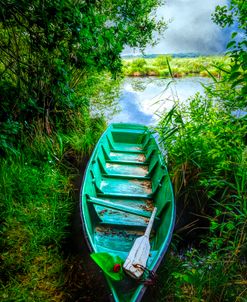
point(166, 66)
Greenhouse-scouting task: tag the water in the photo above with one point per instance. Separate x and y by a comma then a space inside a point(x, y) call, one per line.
point(143, 99)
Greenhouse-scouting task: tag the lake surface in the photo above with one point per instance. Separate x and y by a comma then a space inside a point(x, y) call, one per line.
point(142, 100)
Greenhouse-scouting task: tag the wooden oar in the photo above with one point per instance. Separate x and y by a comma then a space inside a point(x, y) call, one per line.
point(139, 253)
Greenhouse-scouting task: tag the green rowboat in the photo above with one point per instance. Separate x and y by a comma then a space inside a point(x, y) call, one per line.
point(125, 179)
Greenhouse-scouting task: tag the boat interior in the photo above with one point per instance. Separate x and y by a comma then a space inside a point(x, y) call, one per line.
point(125, 179)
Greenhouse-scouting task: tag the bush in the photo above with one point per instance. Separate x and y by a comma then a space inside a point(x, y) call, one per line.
point(161, 61)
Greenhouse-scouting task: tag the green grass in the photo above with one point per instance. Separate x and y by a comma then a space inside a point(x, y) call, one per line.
point(180, 67)
point(201, 276)
point(36, 209)
point(37, 203)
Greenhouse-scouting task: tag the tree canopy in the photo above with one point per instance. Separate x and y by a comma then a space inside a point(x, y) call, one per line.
point(47, 47)
point(235, 14)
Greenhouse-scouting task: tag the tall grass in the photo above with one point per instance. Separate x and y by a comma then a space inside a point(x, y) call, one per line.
point(206, 147)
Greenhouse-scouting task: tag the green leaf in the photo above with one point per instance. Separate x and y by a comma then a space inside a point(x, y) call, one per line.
point(231, 44)
point(230, 226)
point(187, 278)
point(238, 82)
point(235, 67)
point(211, 75)
point(106, 262)
point(169, 67)
point(234, 76)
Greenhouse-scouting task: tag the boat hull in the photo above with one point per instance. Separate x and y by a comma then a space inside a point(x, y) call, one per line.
point(125, 179)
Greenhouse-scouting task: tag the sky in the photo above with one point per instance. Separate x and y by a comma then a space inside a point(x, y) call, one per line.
point(191, 28)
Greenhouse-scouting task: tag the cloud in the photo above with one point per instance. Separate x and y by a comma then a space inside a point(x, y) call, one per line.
point(191, 28)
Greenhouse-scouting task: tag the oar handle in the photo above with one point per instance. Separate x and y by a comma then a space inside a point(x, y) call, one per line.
point(150, 223)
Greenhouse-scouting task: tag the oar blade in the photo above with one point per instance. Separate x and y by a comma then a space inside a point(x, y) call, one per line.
point(136, 261)
point(137, 257)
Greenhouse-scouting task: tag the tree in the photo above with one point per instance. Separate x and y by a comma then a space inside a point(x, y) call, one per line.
point(48, 47)
point(236, 14)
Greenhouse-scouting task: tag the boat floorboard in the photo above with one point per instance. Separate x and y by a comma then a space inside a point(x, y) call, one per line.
point(117, 238)
point(127, 147)
point(118, 216)
point(124, 169)
point(115, 217)
point(140, 157)
point(139, 204)
point(125, 186)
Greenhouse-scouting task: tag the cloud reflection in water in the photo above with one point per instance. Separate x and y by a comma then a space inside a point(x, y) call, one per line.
point(144, 99)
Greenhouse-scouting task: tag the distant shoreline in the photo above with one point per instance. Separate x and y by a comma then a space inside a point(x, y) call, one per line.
point(173, 55)
point(167, 66)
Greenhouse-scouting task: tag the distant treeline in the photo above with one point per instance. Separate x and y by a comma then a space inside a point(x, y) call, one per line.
point(173, 55)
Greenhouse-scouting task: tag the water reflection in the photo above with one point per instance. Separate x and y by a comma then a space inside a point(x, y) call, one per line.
point(143, 99)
